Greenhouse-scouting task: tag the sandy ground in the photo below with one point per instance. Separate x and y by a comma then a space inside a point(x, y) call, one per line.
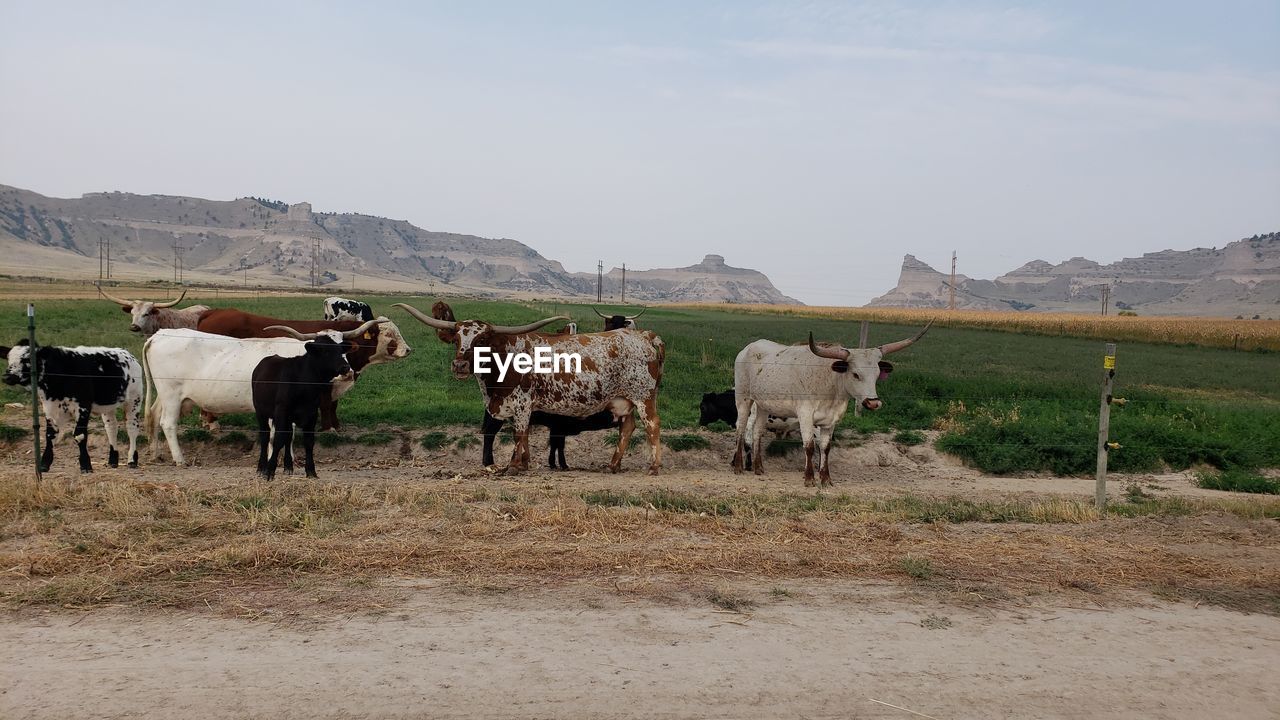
point(828, 650)
point(585, 648)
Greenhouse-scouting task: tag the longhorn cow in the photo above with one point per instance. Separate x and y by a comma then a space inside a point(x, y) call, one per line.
point(379, 343)
point(813, 384)
point(617, 322)
point(149, 316)
point(213, 372)
point(619, 372)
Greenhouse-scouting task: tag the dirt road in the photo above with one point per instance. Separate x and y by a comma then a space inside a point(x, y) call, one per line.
point(825, 650)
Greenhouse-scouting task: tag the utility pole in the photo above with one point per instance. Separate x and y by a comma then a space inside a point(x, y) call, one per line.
point(1106, 298)
point(315, 246)
point(177, 261)
point(100, 247)
point(952, 304)
point(624, 283)
point(599, 280)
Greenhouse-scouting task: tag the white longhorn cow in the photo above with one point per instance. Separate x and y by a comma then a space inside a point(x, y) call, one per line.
point(148, 317)
point(813, 384)
point(213, 372)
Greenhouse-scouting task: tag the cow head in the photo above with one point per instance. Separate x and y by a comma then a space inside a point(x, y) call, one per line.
point(329, 354)
point(467, 335)
point(17, 370)
point(143, 312)
point(349, 341)
point(618, 322)
point(391, 344)
point(860, 368)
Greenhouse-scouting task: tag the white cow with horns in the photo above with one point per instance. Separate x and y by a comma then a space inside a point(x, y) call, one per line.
point(813, 384)
point(148, 316)
point(213, 372)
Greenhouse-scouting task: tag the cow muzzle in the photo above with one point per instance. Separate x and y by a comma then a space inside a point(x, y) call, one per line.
point(10, 379)
point(872, 403)
point(461, 369)
point(134, 328)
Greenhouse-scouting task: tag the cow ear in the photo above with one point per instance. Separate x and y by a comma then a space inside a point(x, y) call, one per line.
point(23, 343)
point(885, 369)
point(4, 351)
point(125, 310)
point(840, 366)
point(155, 311)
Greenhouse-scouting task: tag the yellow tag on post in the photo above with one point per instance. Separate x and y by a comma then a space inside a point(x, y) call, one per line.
point(1109, 362)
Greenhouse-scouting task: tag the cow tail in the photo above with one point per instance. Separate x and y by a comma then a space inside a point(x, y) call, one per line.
point(149, 418)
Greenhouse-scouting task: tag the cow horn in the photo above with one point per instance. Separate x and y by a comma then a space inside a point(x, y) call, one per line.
point(296, 335)
point(831, 353)
point(353, 334)
point(894, 347)
point(171, 304)
point(517, 330)
point(606, 317)
point(633, 317)
point(427, 319)
point(114, 299)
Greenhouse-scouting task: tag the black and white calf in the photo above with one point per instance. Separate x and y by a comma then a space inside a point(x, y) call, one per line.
point(336, 308)
point(287, 392)
point(76, 382)
point(560, 427)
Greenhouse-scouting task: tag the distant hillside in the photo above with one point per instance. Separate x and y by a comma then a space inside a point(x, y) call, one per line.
point(272, 242)
point(1242, 278)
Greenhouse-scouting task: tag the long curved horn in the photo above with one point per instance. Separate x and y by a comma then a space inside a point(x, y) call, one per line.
point(606, 317)
point(830, 353)
point(633, 317)
point(296, 335)
point(894, 347)
point(508, 330)
point(171, 304)
point(353, 334)
point(427, 319)
point(114, 299)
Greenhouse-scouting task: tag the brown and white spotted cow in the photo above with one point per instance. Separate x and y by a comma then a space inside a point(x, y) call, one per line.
point(620, 372)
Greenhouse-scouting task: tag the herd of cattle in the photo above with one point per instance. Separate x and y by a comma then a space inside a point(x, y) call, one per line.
point(292, 373)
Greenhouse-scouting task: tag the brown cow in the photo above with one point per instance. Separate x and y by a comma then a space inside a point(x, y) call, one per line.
point(620, 372)
point(382, 344)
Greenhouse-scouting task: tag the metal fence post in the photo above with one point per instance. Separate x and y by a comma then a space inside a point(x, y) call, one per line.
point(1104, 425)
point(35, 392)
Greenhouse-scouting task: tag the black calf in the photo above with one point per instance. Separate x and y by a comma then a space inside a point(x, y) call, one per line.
point(560, 427)
point(288, 391)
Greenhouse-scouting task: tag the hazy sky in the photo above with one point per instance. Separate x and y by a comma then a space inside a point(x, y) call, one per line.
point(815, 141)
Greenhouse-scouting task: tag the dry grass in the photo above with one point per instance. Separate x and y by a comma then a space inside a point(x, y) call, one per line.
point(1206, 332)
point(150, 544)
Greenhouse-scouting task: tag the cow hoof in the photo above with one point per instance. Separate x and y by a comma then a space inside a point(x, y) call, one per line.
point(615, 469)
point(653, 471)
point(44, 468)
point(827, 483)
point(134, 464)
point(86, 470)
point(759, 470)
point(737, 470)
point(810, 482)
point(313, 475)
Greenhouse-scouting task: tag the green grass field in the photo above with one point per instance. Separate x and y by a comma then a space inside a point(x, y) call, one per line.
point(1006, 402)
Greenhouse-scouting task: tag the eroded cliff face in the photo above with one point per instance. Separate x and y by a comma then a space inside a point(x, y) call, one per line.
point(275, 242)
point(1242, 278)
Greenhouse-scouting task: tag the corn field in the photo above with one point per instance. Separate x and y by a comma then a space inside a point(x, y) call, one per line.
point(1201, 331)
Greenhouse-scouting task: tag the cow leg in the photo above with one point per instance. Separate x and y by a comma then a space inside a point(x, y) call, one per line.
point(169, 424)
point(82, 436)
point(288, 446)
point(111, 428)
point(50, 435)
point(648, 410)
point(806, 435)
point(559, 448)
point(624, 439)
point(754, 457)
point(740, 427)
point(489, 427)
point(520, 455)
point(264, 440)
point(551, 449)
point(309, 445)
point(132, 424)
point(283, 436)
point(824, 454)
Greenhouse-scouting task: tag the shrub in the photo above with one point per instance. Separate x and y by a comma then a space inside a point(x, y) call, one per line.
point(330, 439)
point(375, 438)
point(1238, 480)
point(9, 433)
point(434, 440)
point(196, 435)
point(234, 437)
point(687, 441)
point(909, 437)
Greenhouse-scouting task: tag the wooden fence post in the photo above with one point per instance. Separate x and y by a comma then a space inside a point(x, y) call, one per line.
point(35, 391)
point(862, 343)
point(1104, 425)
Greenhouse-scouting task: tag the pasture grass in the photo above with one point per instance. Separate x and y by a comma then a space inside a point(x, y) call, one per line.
point(1008, 396)
point(686, 441)
point(236, 546)
point(1238, 480)
point(434, 440)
